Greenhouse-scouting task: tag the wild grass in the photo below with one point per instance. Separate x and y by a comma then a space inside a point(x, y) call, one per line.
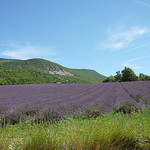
point(109, 132)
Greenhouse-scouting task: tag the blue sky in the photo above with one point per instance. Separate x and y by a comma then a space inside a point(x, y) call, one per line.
point(104, 35)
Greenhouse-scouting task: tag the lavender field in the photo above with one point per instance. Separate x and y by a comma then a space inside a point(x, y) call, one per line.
point(58, 101)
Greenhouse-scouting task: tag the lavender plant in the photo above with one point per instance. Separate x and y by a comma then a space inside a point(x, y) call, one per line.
point(59, 101)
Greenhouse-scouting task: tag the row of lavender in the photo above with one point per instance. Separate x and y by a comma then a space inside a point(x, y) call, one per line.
point(58, 101)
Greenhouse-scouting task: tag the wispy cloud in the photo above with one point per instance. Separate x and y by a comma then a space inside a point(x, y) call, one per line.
point(120, 37)
point(143, 45)
point(26, 51)
point(133, 66)
point(144, 3)
point(135, 59)
point(129, 63)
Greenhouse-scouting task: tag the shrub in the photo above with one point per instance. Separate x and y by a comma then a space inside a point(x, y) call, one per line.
point(126, 109)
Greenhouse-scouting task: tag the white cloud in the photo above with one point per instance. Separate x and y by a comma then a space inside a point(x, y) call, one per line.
point(120, 37)
point(26, 51)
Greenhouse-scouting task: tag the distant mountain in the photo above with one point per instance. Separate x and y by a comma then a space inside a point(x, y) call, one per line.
point(34, 71)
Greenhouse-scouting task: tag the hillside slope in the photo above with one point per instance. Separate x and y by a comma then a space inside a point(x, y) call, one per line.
point(88, 74)
point(34, 71)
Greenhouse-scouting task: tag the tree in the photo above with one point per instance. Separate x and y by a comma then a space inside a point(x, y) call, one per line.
point(118, 76)
point(128, 75)
point(143, 77)
point(110, 79)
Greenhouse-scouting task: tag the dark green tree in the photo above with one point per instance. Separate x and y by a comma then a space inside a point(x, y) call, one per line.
point(118, 76)
point(128, 75)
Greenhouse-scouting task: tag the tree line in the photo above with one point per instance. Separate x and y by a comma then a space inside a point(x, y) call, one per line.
point(127, 74)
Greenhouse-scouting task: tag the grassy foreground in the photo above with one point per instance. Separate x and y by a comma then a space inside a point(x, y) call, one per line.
point(110, 132)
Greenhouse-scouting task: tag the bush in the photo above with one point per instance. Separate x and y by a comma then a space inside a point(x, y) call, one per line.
point(126, 109)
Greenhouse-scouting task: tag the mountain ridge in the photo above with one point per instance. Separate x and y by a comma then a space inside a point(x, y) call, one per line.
point(37, 70)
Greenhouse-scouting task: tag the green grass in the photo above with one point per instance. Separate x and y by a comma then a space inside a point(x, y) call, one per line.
point(110, 132)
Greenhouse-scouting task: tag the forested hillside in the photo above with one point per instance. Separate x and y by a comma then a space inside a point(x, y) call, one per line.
point(34, 71)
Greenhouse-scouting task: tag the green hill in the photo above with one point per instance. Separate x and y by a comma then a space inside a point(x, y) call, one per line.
point(34, 71)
